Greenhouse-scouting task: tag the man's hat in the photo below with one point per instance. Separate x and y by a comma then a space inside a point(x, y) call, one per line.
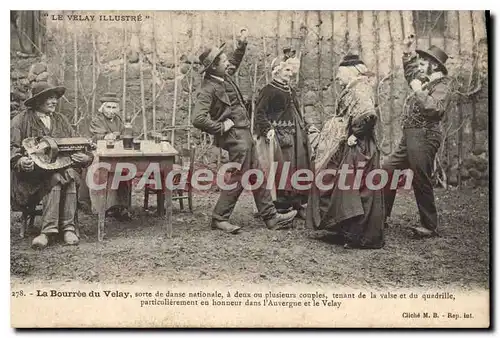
point(436, 54)
point(109, 97)
point(208, 57)
point(351, 60)
point(43, 90)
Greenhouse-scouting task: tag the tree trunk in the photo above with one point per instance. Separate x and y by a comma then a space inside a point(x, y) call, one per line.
point(174, 105)
point(376, 28)
point(124, 83)
point(143, 99)
point(391, 88)
point(318, 66)
point(352, 27)
point(153, 76)
point(460, 111)
point(94, 72)
point(75, 70)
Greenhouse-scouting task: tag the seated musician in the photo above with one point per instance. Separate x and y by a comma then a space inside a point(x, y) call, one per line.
point(106, 124)
point(30, 183)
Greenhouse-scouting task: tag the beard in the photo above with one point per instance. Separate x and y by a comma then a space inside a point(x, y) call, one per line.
point(423, 75)
point(47, 110)
point(429, 70)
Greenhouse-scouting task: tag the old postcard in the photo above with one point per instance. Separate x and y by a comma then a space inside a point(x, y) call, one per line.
point(250, 169)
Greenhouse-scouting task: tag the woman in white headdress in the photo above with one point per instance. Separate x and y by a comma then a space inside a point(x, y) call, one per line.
point(348, 139)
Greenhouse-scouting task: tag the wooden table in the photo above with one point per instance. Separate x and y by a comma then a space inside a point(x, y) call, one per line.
point(150, 152)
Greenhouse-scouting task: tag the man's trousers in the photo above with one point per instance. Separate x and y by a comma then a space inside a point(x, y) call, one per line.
point(241, 148)
point(416, 151)
point(59, 208)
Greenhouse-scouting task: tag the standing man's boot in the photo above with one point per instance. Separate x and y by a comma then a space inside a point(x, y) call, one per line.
point(225, 226)
point(281, 221)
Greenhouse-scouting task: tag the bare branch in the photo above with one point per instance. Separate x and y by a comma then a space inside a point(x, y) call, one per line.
point(149, 104)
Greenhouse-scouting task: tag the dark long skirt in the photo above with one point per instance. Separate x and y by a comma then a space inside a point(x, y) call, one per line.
point(356, 213)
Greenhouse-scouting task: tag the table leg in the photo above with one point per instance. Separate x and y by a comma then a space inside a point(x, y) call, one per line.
point(160, 197)
point(168, 201)
point(168, 211)
point(100, 226)
point(100, 199)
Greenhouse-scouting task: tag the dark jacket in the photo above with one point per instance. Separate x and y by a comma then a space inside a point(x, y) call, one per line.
point(212, 104)
point(277, 107)
point(427, 108)
point(101, 125)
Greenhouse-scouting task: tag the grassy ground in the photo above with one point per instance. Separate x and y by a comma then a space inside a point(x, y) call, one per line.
point(137, 250)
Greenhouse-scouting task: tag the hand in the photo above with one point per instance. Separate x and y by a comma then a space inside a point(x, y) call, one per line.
point(352, 140)
point(434, 76)
point(243, 35)
point(416, 85)
point(408, 42)
point(228, 124)
point(80, 158)
point(270, 134)
point(110, 136)
point(26, 164)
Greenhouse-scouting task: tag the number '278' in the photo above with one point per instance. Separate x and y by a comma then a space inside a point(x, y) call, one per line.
point(19, 293)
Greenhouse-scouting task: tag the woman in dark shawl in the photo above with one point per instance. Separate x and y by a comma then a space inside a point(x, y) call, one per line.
point(348, 139)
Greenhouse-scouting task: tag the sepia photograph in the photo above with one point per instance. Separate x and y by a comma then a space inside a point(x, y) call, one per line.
point(312, 168)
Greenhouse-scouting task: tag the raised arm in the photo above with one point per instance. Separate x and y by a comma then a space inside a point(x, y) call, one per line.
point(237, 56)
point(410, 60)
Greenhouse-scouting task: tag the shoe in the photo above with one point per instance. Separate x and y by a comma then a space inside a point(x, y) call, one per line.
point(123, 215)
point(422, 232)
point(283, 211)
point(40, 241)
point(225, 226)
point(112, 212)
point(70, 238)
point(281, 221)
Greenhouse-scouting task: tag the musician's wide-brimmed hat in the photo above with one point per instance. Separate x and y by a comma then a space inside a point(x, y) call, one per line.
point(41, 90)
point(209, 55)
point(436, 54)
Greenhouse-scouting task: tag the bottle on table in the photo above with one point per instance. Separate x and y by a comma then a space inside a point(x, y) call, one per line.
point(128, 134)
